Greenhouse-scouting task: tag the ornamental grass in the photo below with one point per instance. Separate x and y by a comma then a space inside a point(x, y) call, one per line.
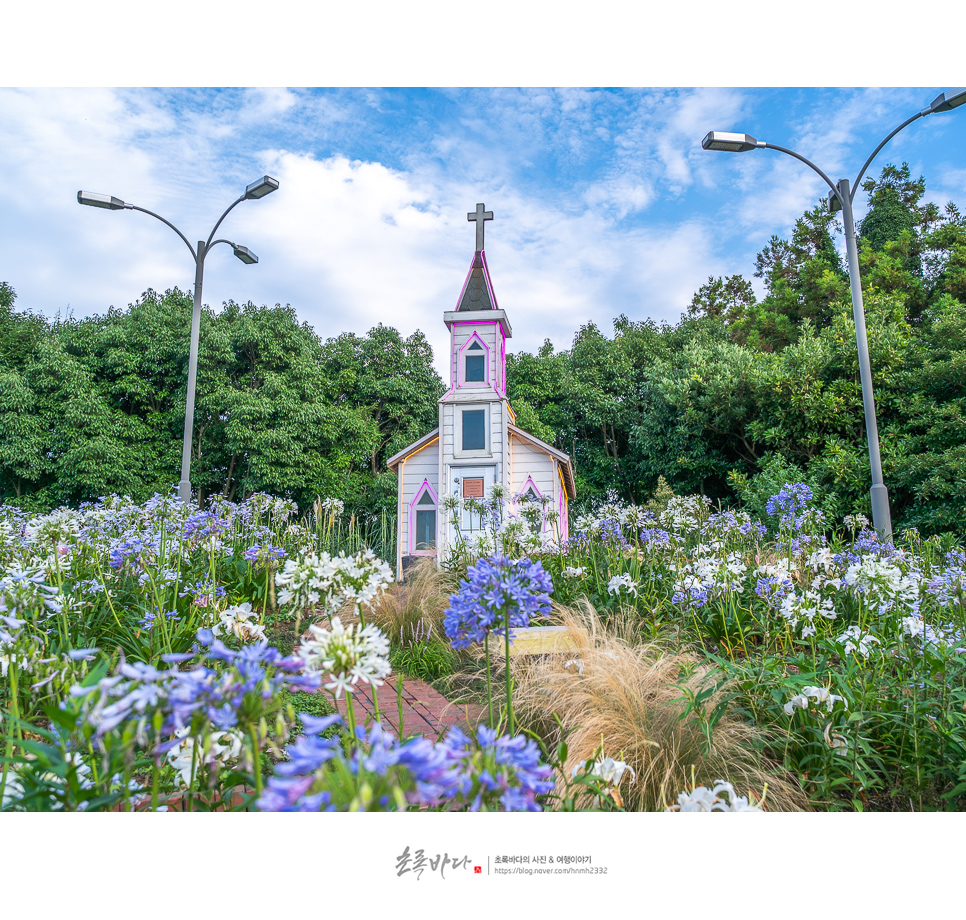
point(422, 599)
point(648, 706)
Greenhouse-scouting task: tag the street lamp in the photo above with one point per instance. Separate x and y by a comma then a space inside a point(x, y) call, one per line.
point(256, 190)
point(840, 199)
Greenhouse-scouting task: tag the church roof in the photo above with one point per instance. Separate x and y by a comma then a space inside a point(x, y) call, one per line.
point(393, 461)
point(563, 459)
point(477, 293)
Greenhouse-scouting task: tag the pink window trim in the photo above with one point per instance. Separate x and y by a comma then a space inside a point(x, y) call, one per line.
point(460, 376)
point(564, 506)
point(412, 519)
point(453, 357)
point(530, 483)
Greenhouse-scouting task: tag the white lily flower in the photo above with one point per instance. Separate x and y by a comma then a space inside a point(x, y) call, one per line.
point(835, 740)
point(819, 695)
point(622, 581)
point(222, 747)
point(607, 769)
point(236, 620)
point(855, 640)
point(709, 800)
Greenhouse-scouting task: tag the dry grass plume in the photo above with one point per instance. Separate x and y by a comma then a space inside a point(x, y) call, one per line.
point(423, 597)
point(625, 697)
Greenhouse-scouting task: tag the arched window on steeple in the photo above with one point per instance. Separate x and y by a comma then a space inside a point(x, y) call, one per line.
point(475, 367)
point(473, 362)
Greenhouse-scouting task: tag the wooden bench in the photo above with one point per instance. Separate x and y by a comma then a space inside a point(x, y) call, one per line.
point(536, 640)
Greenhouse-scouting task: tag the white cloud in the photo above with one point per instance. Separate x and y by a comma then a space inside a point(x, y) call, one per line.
point(605, 203)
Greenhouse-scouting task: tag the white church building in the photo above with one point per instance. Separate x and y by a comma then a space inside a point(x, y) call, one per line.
point(477, 445)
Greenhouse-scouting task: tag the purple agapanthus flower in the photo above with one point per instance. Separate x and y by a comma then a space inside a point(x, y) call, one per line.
point(220, 697)
point(264, 553)
point(497, 591)
point(204, 524)
point(773, 590)
point(458, 772)
point(654, 537)
point(793, 498)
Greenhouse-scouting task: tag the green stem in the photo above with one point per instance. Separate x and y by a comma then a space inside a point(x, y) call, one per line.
point(489, 693)
point(509, 681)
point(107, 592)
point(15, 715)
point(350, 716)
point(194, 767)
point(256, 760)
point(268, 575)
point(727, 640)
point(154, 785)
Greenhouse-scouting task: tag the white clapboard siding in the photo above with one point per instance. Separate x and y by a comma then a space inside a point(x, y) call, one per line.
point(529, 463)
point(421, 466)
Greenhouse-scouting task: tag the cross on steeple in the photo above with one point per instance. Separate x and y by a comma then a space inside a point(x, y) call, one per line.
point(479, 215)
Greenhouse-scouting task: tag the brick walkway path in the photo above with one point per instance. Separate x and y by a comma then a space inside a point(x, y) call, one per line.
point(425, 711)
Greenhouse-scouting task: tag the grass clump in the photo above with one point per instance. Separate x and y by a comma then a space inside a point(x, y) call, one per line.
point(654, 709)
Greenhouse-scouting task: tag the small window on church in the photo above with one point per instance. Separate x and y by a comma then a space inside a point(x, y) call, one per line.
point(425, 523)
point(474, 429)
point(475, 366)
point(531, 504)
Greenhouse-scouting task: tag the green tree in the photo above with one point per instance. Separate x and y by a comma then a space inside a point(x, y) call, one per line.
point(19, 332)
point(804, 278)
point(137, 359)
point(393, 384)
point(267, 419)
point(928, 475)
point(729, 299)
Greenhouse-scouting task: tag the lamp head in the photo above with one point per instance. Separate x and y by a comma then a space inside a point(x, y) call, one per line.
point(245, 254)
point(264, 186)
point(96, 200)
point(946, 102)
point(723, 140)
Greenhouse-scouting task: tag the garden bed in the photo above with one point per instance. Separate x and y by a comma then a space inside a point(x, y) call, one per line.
point(154, 651)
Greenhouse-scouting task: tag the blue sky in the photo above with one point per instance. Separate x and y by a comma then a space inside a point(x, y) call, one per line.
point(605, 202)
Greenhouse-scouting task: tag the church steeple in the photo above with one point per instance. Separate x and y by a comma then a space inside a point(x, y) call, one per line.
point(477, 293)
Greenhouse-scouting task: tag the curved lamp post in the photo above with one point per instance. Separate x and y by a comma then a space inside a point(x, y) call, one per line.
point(840, 199)
point(258, 189)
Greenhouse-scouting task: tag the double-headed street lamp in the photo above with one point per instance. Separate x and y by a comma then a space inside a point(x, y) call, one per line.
point(840, 199)
point(258, 189)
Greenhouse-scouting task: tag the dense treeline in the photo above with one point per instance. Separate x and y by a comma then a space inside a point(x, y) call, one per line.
point(94, 406)
point(744, 395)
point(739, 397)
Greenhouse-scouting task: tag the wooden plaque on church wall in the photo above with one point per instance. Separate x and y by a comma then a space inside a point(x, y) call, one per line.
point(472, 488)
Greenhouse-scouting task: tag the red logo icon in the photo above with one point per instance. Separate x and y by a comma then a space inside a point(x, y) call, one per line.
point(477, 870)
